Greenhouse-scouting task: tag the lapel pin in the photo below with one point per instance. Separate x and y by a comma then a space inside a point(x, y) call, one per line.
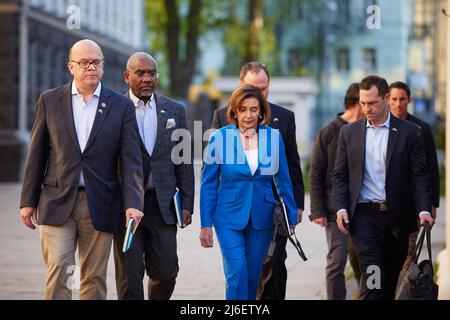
point(394, 129)
point(162, 111)
point(275, 119)
point(100, 110)
point(103, 105)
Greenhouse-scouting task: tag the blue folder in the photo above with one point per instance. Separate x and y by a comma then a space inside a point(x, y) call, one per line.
point(178, 210)
point(128, 240)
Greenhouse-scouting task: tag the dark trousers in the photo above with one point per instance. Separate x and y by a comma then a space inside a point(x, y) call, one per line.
point(380, 254)
point(353, 259)
point(275, 288)
point(336, 261)
point(154, 250)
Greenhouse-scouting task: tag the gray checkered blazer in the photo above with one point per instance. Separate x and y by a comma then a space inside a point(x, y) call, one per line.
point(167, 175)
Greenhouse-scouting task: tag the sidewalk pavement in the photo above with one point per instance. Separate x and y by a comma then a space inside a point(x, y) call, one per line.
point(22, 269)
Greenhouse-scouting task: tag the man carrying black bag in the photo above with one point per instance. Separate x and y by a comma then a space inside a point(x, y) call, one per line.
point(416, 280)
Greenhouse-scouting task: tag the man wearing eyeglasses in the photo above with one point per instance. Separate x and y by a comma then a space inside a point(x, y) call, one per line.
point(83, 134)
point(154, 248)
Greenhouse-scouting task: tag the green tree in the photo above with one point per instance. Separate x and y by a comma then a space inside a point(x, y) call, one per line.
point(248, 35)
point(174, 33)
point(175, 28)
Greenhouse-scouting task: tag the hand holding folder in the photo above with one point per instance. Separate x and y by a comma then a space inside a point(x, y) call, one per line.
point(178, 210)
point(128, 240)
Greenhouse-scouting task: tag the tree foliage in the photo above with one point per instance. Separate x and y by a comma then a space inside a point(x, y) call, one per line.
point(249, 30)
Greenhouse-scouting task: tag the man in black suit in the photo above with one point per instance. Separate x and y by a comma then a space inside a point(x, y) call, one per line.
point(399, 98)
point(83, 134)
point(378, 158)
point(256, 74)
point(323, 211)
point(154, 248)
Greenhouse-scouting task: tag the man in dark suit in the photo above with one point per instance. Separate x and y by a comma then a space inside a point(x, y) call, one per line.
point(82, 135)
point(155, 239)
point(399, 98)
point(378, 157)
point(323, 211)
point(256, 74)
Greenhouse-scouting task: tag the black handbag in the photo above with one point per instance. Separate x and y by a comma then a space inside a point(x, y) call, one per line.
point(282, 228)
point(416, 280)
point(281, 224)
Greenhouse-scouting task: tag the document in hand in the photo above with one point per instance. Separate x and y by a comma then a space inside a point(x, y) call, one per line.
point(128, 240)
point(178, 210)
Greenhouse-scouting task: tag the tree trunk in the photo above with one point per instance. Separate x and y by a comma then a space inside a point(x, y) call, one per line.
point(253, 44)
point(182, 64)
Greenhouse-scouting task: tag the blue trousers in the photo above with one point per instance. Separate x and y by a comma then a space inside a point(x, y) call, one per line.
point(243, 252)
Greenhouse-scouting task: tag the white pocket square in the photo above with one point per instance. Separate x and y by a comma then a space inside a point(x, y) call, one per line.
point(170, 123)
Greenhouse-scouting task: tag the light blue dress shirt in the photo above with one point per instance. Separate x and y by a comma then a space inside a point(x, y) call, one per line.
point(373, 187)
point(83, 116)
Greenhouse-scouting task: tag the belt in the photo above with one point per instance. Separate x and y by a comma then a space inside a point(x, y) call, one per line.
point(81, 188)
point(377, 206)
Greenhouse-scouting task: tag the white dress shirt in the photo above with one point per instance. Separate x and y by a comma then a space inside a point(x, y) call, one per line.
point(147, 121)
point(252, 159)
point(373, 187)
point(83, 116)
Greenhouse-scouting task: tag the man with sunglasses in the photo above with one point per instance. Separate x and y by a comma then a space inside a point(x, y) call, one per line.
point(83, 135)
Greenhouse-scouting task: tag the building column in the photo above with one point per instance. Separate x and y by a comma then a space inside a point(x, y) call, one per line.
point(444, 256)
point(11, 145)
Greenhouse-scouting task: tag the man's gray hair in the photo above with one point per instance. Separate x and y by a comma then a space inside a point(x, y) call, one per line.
point(140, 55)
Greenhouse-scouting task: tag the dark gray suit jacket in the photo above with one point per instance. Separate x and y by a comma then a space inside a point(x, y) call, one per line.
point(165, 173)
point(405, 167)
point(283, 120)
point(55, 160)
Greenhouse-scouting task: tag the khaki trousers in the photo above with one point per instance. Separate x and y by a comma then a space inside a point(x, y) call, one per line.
point(59, 244)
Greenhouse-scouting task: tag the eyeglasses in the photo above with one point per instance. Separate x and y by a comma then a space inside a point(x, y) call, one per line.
point(86, 63)
point(153, 74)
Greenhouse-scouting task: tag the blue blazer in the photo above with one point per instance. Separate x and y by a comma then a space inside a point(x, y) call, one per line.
point(230, 195)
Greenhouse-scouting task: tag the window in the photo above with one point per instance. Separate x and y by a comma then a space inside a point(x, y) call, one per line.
point(342, 59)
point(343, 10)
point(369, 59)
point(297, 61)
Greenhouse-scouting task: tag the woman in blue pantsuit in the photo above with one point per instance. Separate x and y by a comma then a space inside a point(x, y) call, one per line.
point(241, 163)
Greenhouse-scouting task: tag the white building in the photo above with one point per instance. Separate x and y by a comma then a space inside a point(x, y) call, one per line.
point(37, 36)
point(295, 94)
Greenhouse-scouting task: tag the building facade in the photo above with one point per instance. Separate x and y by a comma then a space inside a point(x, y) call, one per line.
point(36, 37)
